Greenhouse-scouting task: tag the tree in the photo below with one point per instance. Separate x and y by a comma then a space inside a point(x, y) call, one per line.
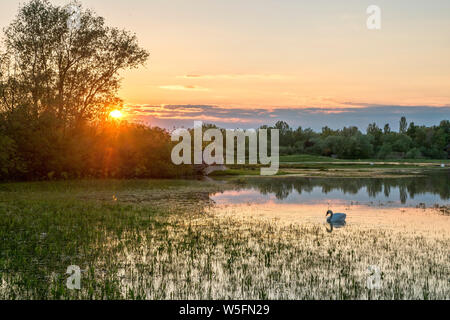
point(282, 126)
point(403, 125)
point(373, 129)
point(69, 71)
point(59, 77)
point(9, 163)
point(375, 134)
point(326, 131)
point(350, 131)
point(411, 132)
point(387, 129)
point(285, 133)
point(385, 151)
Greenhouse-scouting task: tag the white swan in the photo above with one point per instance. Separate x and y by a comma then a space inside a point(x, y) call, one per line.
point(336, 218)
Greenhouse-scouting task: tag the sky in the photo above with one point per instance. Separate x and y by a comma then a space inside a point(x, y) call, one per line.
point(311, 63)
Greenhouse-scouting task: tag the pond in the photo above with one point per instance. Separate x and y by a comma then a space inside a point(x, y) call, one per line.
point(417, 203)
point(265, 238)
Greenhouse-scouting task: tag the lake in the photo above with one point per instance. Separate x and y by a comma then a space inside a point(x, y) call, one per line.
point(414, 203)
point(235, 238)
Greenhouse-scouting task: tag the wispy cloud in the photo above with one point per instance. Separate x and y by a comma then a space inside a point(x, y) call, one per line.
point(236, 76)
point(183, 87)
point(170, 116)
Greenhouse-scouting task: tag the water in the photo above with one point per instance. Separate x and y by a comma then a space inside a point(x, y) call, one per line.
point(425, 190)
point(414, 203)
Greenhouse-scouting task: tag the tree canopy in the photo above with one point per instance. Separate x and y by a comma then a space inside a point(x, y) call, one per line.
point(59, 77)
point(411, 142)
point(69, 71)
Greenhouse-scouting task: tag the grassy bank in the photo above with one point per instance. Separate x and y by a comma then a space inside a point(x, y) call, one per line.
point(317, 166)
point(313, 158)
point(154, 239)
point(340, 170)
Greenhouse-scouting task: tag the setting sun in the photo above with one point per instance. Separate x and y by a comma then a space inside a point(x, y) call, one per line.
point(272, 151)
point(116, 114)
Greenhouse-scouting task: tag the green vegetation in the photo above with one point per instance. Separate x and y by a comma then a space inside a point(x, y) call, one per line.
point(306, 158)
point(415, 142)
point(315, 166)
point(158, 240)
point(312, 158)
point(57, 87)
point(238, 170)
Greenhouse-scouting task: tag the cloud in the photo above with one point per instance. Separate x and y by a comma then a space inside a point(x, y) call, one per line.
point(183, 87)
point(170, 116)
point(236, 76)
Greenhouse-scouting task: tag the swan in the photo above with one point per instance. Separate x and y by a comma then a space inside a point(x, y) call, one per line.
point(336, 218)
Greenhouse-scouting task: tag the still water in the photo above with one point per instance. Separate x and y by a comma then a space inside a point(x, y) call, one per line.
point(414, 203)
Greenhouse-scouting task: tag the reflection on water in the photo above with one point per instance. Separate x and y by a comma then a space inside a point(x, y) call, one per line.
point(388, 203)
point(413, 191)
point(335, 225)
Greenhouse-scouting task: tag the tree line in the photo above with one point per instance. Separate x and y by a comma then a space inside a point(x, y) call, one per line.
point(410, 142)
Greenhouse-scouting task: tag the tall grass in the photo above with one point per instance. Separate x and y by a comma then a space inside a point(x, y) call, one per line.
point(158, 240)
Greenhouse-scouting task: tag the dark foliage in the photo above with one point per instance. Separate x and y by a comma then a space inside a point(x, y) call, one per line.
point(415, 142)
point(58, 83)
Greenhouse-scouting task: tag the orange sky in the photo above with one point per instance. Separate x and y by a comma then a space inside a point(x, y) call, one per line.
point(266, 54)
point(282, 54)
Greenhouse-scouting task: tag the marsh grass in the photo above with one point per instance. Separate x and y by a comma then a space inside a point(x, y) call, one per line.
point(158, 240)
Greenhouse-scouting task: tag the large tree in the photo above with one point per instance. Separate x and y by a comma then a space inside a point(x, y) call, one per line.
point(63, 61)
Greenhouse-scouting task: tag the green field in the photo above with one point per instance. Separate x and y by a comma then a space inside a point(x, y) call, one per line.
point(154, 239)
point(316, 166)
point(313, 158)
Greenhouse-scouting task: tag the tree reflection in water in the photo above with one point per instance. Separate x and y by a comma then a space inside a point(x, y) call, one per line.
point(437, 183)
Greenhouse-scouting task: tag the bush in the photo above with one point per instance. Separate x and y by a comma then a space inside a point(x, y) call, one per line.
point(8, 157)
point(92, 150)
point(385, 151)
point(414, 154)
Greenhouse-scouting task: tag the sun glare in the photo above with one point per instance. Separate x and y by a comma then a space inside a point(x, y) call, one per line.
point(116, 114)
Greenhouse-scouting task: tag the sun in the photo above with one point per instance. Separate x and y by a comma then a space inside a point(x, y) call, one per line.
point(116, 114)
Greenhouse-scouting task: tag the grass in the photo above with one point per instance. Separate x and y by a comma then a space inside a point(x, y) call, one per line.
point(158, 240)
point(314, 158)
point(242, 171)
point(307, 158)
point(309, 162)
point(311, 165)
